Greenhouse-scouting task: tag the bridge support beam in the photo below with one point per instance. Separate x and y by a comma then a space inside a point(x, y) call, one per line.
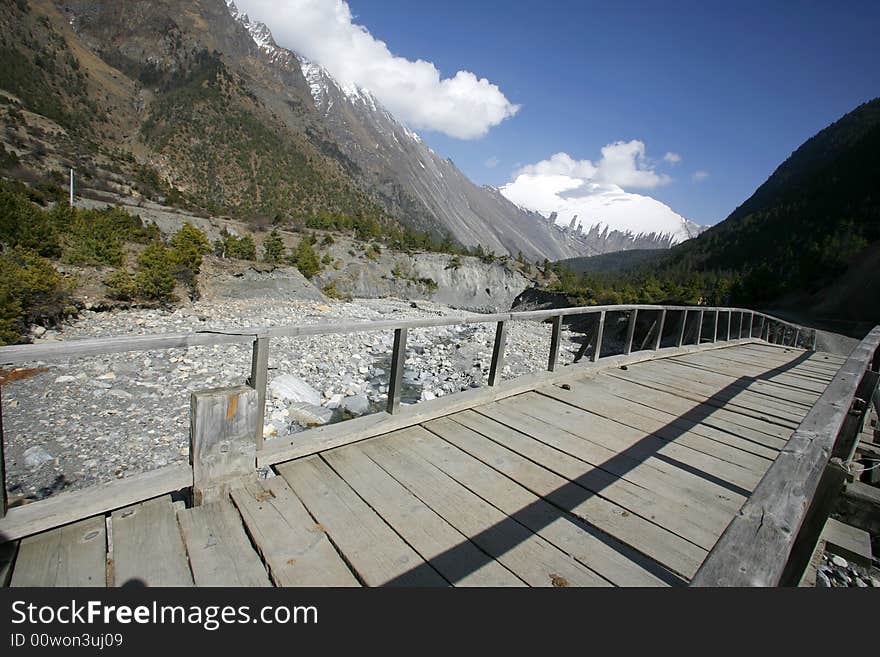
point(395, 382)
point(554, 343)
point(498, 352)
point(222, 449)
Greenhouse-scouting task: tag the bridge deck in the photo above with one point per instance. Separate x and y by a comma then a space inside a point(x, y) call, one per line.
point(623, 477)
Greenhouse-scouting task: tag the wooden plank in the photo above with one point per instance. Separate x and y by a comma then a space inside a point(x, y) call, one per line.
point(220, 553)
point(65, 508)
point(597, 339)
point(556, 331)
point(755, 548)
point(706, 397)
point(588, 396)
point(684, 488)
point(319, 439)
point(693, 409)
point(449, 551)
point(771, 351)
point(690, 522)
point(147, 547)
point(638, 444)
point(478, 463)
point(783, 380)
point(758, 364)
point(532, 558)
point(293, 546)
point(377, 554)
point(73, 555)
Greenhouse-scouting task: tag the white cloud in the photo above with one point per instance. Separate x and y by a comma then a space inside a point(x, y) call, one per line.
point(462, 106)
point(699, 176)
point(623, 163)
point(595, 192)
point(492, 162)
point(672, 158)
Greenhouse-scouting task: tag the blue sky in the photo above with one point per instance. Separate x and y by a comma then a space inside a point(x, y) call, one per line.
point(733, 88)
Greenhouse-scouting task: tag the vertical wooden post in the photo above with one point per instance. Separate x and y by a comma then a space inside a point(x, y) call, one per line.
point(729, 317)
point(797, 334)
point(715, 328)
point(222, 449)
point(660, 329)
point(751, 325)
point(395, 383)
point(3, 499)
point(597, 340)
point(630, 331)
point(681, 329)
point(498, 352)
point(700, 327)
point(554, 343)
point(258, 380)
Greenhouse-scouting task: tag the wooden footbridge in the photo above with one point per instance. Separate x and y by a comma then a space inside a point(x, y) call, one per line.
point(706, 458)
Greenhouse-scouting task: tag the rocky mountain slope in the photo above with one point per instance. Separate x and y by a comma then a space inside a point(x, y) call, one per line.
point(189, 103)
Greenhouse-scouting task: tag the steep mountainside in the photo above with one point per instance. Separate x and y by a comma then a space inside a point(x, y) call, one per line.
point(189, 103)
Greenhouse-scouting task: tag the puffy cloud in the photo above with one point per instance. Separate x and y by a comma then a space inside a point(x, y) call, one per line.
point(699, 176)
point(623, 163)
point(672, 158)
point(463, 106)
point(595, 192)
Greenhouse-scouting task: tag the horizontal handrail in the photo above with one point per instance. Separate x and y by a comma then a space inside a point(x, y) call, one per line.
point(15, 354)
point(759, 542)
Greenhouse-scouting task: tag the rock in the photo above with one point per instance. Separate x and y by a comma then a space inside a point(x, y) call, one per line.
point(65, 379)
point(269, 431)
point(839, 561)
point(38, 331)
point(427, 395)
point(334, 402)
point(107, 376)
point(822, 580)
point(36, 456)
point(121, 394)
point(309, 415)
point(288, 388)
point(356, 404)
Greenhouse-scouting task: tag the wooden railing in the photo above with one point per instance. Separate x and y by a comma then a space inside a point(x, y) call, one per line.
point(771, 539)
point(724, 325)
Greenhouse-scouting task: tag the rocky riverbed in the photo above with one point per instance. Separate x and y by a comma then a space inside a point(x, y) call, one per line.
point(73, 423)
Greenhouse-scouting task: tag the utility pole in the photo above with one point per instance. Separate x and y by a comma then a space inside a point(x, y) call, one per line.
point(71, 188)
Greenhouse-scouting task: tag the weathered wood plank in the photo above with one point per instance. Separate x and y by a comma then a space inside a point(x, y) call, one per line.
point(294, 547)
point(783, 380)
point(74, 555)
point(65, 508)
point(590, 397)
point(690, 522)
point(374, 550)
point(476, 462)
point(692, 409)
point(755, 548)
point(220, 553)
point(683, 488)
point(147, 547)
point(758, 364)
point(638, 444)
point(449, 551)
point(8, 551)
point(530, 557)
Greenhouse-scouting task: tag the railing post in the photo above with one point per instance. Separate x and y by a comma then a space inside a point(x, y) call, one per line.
point(660, 329)
point(700, 327)
point(715, 327)
point(729, 317)
point(751, 325)
point(554, 343)
point(742, 316)
point(797, 334)
point(597, 340)
point(630, 331)
point(681, 329)
point(498, 352)
point(3, 499)
point(258, 380)
point(221, 449)
point(395, 383)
